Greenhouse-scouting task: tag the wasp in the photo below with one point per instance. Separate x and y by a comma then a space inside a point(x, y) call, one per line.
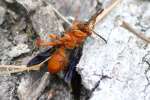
point(73, 38)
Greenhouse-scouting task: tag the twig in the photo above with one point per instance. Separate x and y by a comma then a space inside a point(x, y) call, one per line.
point(9, 69)
point(107, 10)
point(138, 34)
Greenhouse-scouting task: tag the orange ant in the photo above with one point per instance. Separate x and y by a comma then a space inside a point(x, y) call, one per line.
point(73, 38)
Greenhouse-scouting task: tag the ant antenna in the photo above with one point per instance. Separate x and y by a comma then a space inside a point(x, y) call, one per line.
point(100, 36)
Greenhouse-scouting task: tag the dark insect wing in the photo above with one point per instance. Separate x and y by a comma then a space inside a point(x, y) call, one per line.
point(41, 57)
point(74, 59)
point(72, 75)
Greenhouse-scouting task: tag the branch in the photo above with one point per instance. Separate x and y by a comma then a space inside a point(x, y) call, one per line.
point(107, 10)
point(9, 69)
point(132, 30)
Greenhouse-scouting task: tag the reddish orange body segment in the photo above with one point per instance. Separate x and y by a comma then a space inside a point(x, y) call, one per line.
point(58, 61)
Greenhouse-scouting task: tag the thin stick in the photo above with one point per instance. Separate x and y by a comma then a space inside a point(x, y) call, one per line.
point(107, 10)
point(13, 66)
point(9, 69)
point(138, 34)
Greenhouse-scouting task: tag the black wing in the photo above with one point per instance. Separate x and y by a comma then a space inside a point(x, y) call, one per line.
point(74, 59)
point(41, 57)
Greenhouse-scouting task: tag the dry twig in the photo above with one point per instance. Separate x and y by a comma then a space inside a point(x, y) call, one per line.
point(132, 30)
point(9, 69)
point(107, 10)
